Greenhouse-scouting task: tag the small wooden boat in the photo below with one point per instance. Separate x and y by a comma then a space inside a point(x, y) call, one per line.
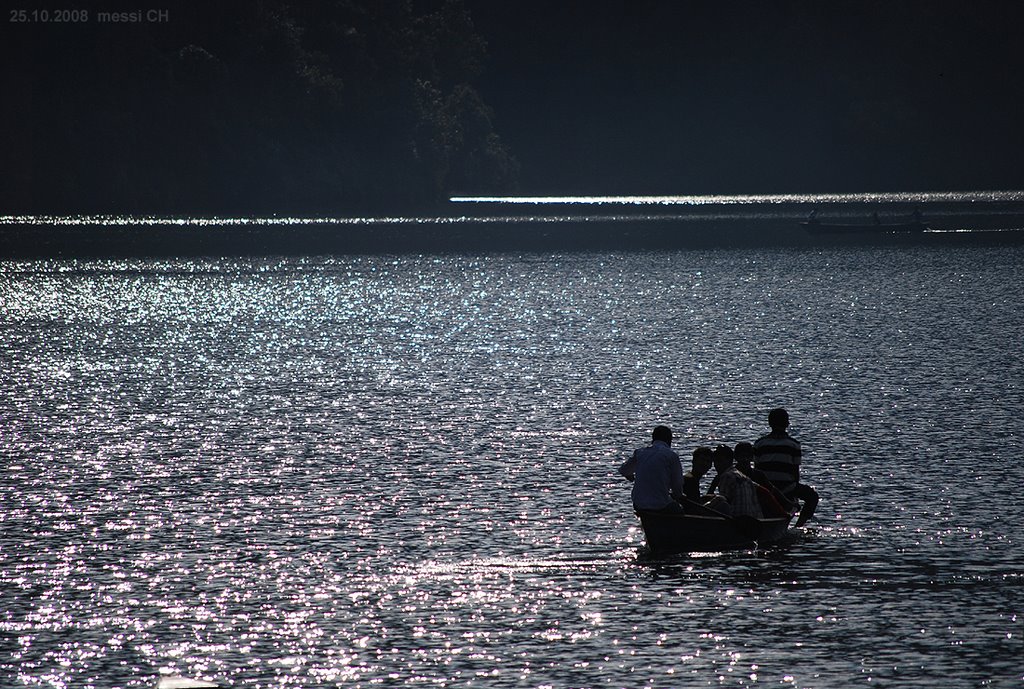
point(668, 533)
point(876, 226)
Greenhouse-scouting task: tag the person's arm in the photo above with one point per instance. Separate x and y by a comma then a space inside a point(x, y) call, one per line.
point(690, 488)
point(676, 478)
point(769, 498)
point(714, 484)
point(628, 468)
point(761, 479)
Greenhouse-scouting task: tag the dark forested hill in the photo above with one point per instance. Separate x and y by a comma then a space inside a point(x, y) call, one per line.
point(247, 107)
point(388, 106)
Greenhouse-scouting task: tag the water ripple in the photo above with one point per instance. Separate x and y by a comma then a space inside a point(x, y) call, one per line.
point(401, 470)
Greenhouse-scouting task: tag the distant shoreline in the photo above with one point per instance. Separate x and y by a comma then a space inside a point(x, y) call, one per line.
point(163, 241)
point(485, 224)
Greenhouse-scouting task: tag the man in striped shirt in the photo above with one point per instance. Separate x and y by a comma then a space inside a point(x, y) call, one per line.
point(778, 456)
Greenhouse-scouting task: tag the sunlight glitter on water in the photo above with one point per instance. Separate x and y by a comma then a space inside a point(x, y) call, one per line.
point(382, 470)
point(221, 221)
point(759, 199)
point(595, 204)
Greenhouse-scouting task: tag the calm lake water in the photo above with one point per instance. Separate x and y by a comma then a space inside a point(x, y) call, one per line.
point(401, 470)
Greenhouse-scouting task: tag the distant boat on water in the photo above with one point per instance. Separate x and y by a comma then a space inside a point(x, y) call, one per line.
point(875, 226)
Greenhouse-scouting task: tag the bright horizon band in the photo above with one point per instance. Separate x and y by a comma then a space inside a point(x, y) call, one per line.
point(743, 199)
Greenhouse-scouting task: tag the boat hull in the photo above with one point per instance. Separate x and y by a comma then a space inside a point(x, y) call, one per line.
point(668, 533)
point(818, 228)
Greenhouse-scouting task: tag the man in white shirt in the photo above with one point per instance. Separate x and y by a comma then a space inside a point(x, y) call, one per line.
point(656, 473)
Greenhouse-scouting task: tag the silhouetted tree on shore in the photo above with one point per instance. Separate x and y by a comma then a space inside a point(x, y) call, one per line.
point(339, 107)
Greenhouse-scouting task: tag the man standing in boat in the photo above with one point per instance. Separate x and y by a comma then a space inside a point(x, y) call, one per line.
point(656, 473)
point(778, 456)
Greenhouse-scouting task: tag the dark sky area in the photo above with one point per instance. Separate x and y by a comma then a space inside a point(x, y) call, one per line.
point(360, 106)
point(720, 96)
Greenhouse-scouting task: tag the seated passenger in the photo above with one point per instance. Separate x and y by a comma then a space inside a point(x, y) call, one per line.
point(656, 473)
point(738, 491)
point(773, 502)
point(691, 479)
point(779, 456)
